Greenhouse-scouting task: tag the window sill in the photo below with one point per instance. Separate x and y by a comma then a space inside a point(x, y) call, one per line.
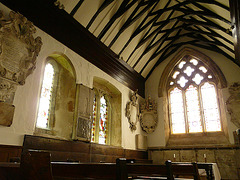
point(210, 138)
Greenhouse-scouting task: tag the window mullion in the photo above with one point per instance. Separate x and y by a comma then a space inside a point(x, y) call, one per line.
point(97, 119)
point(185, 112)
point(201, 109)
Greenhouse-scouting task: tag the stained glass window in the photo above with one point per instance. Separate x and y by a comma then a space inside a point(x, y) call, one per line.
point(193, 98)
point(100, 118)
point(103, 120)
point(94, 118)
point(45, 98)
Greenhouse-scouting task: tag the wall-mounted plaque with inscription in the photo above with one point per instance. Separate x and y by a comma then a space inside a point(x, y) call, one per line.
point(18, 52)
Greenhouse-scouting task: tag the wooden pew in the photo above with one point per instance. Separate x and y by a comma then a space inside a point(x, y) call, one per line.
point(142, 171)
point(35, 165)
point(10, 171)
point(71, 170)
point(186, 170)
point(206, 166)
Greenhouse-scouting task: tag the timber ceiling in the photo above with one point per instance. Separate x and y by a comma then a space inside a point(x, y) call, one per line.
point(144, 33)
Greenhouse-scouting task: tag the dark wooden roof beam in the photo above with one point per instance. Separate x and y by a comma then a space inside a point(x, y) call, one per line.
point(73, 12)
point(165, 9)
point(133, 17)
point(203, 13)
point(139, 29)
point(151, 45)
point(125, 6)
point(210, 2)
point(102, 7)
point(210, 34)
point(209, 23)
point(147, 36)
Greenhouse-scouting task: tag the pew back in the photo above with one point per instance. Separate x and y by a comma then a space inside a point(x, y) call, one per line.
point(36, 165)
point(187, 170)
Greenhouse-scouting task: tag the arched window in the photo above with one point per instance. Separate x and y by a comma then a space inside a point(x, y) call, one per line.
point(101, 108)
point(57, 98)
point(106, 118)
point(193, 103)
point(45, 101)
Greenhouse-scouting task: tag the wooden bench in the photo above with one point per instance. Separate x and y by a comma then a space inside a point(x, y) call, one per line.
point(186, 170)
point(206, 166)
point(142, 171)
point(36, 165)
point(79, 151)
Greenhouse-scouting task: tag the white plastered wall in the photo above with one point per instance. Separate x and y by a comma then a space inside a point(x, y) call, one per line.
point(26, 97)
point(229, 69)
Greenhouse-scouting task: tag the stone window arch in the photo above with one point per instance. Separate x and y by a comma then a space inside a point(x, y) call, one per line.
point(59, 105)
point(186, 83)
point(106, 126)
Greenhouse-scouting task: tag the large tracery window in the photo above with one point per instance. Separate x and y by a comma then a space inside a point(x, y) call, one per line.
point(193, 101)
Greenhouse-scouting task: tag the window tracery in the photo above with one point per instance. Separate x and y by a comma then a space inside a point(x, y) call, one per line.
point(192, 98)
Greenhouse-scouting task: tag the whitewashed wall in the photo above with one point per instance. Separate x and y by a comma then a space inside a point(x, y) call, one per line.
point(26, 97)
point(229, 69)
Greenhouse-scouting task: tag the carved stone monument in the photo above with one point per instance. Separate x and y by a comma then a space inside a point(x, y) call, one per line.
point(148, 116)
point(233, 103)
point(18, 53)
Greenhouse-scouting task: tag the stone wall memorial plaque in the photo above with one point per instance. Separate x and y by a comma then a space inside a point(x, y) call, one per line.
point(18, 53)
point(148, 116)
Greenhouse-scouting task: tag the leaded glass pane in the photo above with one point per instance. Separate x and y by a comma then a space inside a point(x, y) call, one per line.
point(193, 110)
point(203, 69)
point(197, 79)
point(103, 120)
point(94, 119)
point(210, 76)
point(45, 98)
point(181, 64)
point(210, 107)
point(182, 81)
point(176, 73)
point(194, 61)
point(177, 111)
point(188, 71)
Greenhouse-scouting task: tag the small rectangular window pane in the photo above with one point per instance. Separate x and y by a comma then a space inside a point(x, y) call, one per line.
point(177, 111)
point(193, 110)
point(210, 108)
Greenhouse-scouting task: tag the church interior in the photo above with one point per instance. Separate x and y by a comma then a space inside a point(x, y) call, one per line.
point(102, 86)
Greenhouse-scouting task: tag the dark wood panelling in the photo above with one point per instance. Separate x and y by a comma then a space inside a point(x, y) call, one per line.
point(63, 150)
point(9, 152)
point(68, 31)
